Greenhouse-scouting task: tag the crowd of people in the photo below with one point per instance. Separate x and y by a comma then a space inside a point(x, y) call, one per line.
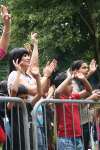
point(27, 82)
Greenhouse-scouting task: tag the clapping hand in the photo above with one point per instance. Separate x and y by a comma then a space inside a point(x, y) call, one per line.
point(50, 68)
point(93, 66)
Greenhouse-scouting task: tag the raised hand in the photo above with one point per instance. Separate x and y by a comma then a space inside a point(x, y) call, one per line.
point(5, 15)
point(93, 66)
point(17, 65)
point(28, 47)
point(34, 38)
point(50, 68)
point(79, 76)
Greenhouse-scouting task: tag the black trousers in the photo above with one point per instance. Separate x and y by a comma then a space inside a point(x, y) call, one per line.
point(86, 135)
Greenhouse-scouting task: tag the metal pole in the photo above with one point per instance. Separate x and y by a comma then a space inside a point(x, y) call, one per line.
point(57, 101)
point(26, 126)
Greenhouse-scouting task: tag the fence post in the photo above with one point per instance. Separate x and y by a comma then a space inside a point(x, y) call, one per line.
point(34, 124)
point(26, 126)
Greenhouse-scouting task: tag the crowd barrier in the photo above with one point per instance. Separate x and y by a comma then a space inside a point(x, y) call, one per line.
point(49, 129)
point(14, 122)
point(44, 120)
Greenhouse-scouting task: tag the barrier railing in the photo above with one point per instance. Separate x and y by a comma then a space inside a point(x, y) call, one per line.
point(14, 124)
point(60, 113)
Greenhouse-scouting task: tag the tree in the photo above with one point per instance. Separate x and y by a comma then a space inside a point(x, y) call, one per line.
point(67, 29)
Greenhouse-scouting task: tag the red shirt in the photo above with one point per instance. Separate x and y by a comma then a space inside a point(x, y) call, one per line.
point(2, 53)
point(71, 117)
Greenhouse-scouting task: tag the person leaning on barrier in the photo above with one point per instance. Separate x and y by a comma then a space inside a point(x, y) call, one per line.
point(4, 39)
point(24, 71)
point(65, 91)
point(88, 71)
point(15, 58)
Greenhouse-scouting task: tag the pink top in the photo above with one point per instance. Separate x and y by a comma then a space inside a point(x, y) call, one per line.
point(2, 53)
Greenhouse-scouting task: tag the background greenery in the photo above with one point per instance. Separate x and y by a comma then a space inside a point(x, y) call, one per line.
point(68, 29)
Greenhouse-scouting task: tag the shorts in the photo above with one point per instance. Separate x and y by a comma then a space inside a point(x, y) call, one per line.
point(69, 144)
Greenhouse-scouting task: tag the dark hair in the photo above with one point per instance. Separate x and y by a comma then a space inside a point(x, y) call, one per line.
point(76, 65)
point(16, 53)
point(3, 88)
point(52, 78)
point(59, 78)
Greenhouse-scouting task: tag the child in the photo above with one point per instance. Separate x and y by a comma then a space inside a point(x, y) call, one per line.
point(69, 134)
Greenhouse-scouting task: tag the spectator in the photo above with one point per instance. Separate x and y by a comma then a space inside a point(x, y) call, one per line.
point(87, 70)
point(25, 72)
point(69, 136)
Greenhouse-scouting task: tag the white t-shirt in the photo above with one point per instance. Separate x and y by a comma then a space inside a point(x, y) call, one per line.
point(26, 78)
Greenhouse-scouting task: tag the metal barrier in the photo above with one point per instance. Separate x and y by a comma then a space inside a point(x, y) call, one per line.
point(93, 123)
point(16, 134)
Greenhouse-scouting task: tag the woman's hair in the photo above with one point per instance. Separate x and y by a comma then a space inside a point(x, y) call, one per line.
point(59, 78)
point(16, 53)
point(76, 65)
point(52, 78)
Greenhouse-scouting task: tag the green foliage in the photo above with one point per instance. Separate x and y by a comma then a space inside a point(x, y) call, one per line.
point(67, 29)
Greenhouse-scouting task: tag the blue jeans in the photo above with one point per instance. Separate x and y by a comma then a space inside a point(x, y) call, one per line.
point(41, 140)
point(69, 144)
